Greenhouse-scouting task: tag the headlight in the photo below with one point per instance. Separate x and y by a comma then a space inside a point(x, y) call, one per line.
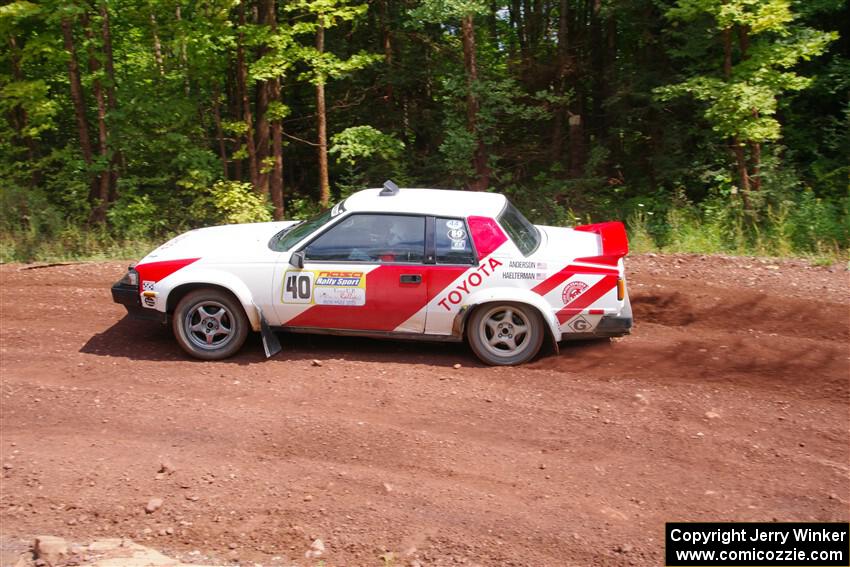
point(131, 277)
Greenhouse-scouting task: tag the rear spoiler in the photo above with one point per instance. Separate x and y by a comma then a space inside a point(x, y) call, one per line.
point(614, 242)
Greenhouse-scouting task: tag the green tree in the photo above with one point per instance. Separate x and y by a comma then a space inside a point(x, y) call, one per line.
point(761, 44)
point(324, 65)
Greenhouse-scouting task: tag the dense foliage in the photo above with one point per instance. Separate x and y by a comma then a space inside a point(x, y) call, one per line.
point(708, 124)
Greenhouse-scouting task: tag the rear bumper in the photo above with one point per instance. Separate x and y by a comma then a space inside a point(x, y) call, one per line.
point(128, 296)
point(613, 326)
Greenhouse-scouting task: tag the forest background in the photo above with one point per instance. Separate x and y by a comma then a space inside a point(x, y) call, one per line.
point(707, 125)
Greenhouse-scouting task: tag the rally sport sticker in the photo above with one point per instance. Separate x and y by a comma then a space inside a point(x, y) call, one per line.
point(324, 287)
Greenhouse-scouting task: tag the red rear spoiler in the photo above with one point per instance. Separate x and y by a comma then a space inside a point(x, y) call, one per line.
point(615, 243)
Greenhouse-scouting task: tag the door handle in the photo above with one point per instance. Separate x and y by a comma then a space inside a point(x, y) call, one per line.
point(410, 278)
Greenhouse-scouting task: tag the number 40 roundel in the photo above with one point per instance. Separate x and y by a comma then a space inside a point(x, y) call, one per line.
point(298, 287)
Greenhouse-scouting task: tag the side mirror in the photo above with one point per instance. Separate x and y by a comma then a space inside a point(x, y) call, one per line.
point(297, 260)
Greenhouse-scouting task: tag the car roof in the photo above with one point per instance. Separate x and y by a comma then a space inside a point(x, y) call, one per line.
point(437, 202)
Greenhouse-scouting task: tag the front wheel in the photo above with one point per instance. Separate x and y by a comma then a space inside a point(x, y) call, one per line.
point(210, 324)
point(503, 334)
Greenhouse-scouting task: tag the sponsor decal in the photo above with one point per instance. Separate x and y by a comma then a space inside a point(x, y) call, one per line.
point(572, 290)
point(458, 244)
point(148, 285)
point(566, 273)
point(339, 279)
point(587, 298)
point(354, 296)
point(580, 325)
point(471, 281)
point(324, 287)
point(454, 224)
point(523, 275)
point(457, 234)
point(149, 301)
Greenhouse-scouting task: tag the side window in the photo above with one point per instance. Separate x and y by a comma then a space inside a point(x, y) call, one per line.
point(372, 239)
point(452, 242)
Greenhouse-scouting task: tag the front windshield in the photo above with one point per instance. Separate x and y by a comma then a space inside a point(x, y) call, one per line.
point(524, 234)
point(292, 235)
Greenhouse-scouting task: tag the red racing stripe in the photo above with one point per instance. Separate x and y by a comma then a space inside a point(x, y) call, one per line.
point(607, 260)
point(155, 271)
point(558, 278)
point(388, 303)
point(587, 298)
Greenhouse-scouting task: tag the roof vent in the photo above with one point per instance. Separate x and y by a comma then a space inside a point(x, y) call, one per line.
point(389, 189)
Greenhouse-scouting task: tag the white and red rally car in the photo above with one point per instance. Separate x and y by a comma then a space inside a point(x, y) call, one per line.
point(411, 263)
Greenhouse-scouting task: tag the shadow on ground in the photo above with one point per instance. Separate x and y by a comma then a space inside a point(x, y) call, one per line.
point(146, 340)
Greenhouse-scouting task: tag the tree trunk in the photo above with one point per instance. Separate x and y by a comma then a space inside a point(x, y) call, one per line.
point(276, 180)
point(234, 107)
point(755, 162)
point(242, 77)
point(19, 116)
point(322, 127)
point(276, 177)
point(743, 175)
point(557, 146)
point(219, 134)
point(108, 59)
point(515, 15)
point(737, 146)
point(157, 47)
point(755, 147)
point(262, 137)
point(576, 159)
point(265, 16)
point(112, 102)
point(596, 118)
point(104, 184)
point(479, 159)
point(184, 59)
point(387, 41)
point(77, 95)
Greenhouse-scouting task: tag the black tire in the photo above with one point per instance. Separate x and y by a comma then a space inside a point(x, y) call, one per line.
point(210, 324)
point(505, 333)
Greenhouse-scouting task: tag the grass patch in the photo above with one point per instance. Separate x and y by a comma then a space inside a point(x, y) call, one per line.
point(778, 235)
point(72, 245)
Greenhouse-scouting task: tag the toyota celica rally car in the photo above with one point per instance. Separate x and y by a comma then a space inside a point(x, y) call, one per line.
point(396, 263)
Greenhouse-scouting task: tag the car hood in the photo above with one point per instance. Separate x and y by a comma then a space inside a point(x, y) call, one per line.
point(227, 241)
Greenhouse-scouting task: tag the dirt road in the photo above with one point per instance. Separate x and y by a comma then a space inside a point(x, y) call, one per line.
point(728, 402)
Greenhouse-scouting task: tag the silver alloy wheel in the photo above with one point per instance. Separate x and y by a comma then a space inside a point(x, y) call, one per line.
point(209, 325)
point(504, 331)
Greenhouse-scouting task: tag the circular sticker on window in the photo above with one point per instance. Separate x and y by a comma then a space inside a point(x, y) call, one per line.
point(454, 224)
point(457, 234)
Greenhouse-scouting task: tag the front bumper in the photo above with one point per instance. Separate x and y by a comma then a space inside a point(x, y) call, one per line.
point(128, 296)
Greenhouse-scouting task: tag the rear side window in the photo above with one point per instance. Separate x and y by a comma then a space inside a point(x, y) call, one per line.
point(452, 242)
point(521, 231)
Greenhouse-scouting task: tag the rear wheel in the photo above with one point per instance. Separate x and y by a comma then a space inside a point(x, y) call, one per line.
point(210, 324)
point(503, 334)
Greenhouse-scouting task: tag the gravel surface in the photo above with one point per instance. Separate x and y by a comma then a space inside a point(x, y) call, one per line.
point(728, 402)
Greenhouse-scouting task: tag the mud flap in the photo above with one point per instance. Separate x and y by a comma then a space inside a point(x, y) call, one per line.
point(271, 344)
